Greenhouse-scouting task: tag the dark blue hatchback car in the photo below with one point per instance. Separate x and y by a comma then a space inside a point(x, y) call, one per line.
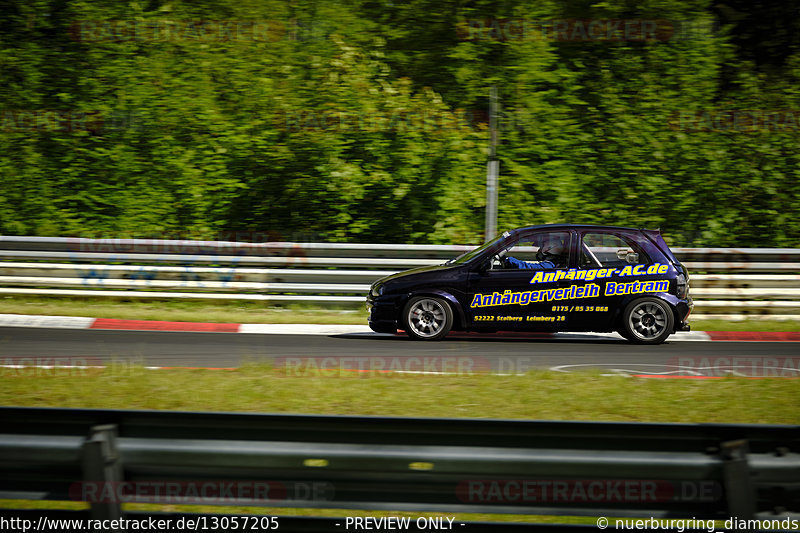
point(556, 277)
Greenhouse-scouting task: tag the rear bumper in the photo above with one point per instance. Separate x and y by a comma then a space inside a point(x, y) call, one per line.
point(682, 311)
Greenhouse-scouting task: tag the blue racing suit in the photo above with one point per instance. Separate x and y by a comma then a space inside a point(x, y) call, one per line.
point(541, 265)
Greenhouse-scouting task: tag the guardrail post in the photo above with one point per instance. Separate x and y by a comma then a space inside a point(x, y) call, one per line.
point(102, 464)
point(739, 490)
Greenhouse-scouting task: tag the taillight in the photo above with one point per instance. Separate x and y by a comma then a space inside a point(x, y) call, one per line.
point(683, 283)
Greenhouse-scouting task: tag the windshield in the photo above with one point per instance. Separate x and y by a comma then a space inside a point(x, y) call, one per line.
point(463, 258)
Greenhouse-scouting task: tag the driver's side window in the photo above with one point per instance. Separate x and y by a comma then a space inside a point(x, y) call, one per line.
point(549, 249)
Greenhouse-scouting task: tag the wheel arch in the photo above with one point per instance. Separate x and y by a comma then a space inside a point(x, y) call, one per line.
point(459, 319)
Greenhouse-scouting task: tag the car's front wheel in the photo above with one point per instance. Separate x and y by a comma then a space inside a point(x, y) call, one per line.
point(647, 321)
point(427, 318)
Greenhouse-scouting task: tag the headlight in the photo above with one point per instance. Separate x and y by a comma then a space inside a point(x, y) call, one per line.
point(376, 290)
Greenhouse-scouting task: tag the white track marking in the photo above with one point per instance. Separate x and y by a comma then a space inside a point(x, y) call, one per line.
point(42, 321)
point(303, 329)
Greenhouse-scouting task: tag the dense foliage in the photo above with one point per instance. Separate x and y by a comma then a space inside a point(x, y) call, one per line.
point(366, 120)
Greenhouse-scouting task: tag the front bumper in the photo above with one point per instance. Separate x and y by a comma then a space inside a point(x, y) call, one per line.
point(383, 314)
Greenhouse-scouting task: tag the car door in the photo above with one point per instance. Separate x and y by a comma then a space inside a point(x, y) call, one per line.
point(505, 297)
point(609, 257)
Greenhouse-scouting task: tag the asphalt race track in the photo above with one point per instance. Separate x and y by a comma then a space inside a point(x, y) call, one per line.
point(32, 346)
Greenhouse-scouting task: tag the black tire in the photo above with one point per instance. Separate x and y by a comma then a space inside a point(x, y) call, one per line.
point(625, 334)
point(647, 321)
point(427, 318)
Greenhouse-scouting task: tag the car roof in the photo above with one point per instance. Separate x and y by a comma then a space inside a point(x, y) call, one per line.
point(580, 226)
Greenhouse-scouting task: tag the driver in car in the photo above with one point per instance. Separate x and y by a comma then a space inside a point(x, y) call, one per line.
point(550, 255)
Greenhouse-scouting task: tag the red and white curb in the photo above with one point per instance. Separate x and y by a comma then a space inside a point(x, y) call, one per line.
point(76, 322)
point(73, 322)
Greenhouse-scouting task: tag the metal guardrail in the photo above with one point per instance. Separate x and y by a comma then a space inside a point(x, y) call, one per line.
point(707, 471)
point(726, 282)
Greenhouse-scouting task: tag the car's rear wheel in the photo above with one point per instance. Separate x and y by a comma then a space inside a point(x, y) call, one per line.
point(647, 321)
point(427, 318)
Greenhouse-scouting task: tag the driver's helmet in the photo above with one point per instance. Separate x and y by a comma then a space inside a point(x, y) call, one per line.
point(551, 250)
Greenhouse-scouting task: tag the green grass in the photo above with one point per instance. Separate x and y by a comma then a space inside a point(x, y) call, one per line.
point(258, 312)
point(536, 395)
